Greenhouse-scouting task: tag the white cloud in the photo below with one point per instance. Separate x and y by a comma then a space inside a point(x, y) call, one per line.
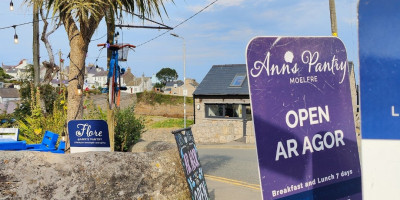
point(242, 34)
point(229, 2)
point(220, 4)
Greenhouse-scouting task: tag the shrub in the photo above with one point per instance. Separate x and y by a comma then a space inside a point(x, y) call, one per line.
point(93, 112)
point(33, 126)
point(154, 97)
point(128, 129)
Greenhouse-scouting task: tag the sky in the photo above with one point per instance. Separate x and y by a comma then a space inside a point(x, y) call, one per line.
point(216, 36)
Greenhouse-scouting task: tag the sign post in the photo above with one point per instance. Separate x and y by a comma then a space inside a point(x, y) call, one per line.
point(303, 118)
point(379, 44)
point(191, 164)
point(88, 135)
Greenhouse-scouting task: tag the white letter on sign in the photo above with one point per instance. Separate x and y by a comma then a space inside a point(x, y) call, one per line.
point(393, 113)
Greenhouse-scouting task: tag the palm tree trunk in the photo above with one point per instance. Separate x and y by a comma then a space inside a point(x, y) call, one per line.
point(76, 77)
point(78, 50)
point(79, 43)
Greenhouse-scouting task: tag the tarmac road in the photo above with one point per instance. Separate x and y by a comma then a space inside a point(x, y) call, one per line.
point(231, 171)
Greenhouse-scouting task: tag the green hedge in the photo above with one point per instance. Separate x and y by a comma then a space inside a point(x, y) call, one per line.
point(158, 98)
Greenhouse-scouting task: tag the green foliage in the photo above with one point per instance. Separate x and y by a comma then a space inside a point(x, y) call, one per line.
point(3, 75)
point(128, 129)
point(172, 123)
point(93, 111)
point(158, 85)
point(9, 123)
point(166, 75)
point(154, 97)
point(33, 126)
point(48, 95)
point(24, 109)
point(93, 91)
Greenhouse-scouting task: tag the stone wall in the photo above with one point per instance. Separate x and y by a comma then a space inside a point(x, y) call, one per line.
point(156, 173)
point(220, 130)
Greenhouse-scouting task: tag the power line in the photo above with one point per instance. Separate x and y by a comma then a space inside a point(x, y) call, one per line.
point(144, 18)
point(178, 24)
point(26, 23)
point(99, 38)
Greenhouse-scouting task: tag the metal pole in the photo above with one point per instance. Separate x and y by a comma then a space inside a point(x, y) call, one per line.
point(184, 78)
point(184, 83)
point(332, 10)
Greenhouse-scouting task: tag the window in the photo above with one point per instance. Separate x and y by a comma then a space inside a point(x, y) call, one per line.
point(216, 110)
point(233, 110)
point(238, 80)
point(249, 117)
point(227, 111)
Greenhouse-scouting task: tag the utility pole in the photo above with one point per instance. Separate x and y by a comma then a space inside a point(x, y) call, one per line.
point(35, 44)
point(332, 9)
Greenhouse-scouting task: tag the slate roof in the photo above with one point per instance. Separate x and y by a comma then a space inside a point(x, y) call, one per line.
point(9, 93)
point(12, 70)
point(172, 83)
point(99, 74)
point(218, 81)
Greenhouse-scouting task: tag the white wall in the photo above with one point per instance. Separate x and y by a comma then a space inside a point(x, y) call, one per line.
point(380, 169)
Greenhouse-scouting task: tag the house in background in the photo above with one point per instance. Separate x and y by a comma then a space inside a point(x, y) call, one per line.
point(154, 80)
point(222, 111)
point(9, 94)
point(139, 84)
point(18, 72)
point(177, 87)
point(9, 99)
point(90, 73)
point(173, 87)
point(127, 77)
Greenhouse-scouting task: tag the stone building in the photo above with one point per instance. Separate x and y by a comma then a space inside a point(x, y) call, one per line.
point(9, 94)
point(177, 87)
point(222, 111)
point(139, 84)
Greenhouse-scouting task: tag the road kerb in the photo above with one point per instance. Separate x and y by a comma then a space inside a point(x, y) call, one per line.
point(233, 182)
point(212, 146)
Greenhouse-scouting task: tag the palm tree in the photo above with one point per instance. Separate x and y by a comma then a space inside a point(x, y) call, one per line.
point(80, 19)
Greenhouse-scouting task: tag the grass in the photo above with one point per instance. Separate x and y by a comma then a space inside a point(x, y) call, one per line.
point(171, 123)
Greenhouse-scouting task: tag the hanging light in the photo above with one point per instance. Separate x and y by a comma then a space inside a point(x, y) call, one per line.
point(15, 35)
point(79, 89)
point(11, 6)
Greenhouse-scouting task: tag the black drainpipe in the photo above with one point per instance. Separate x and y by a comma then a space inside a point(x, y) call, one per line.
point(194, 109)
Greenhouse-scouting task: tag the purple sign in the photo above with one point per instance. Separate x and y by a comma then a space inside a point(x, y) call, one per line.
point(303, 118)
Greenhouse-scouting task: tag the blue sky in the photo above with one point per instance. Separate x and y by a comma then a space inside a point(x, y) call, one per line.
point(218, 35)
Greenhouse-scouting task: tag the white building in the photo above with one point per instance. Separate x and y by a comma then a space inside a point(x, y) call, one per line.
point(100, 79)
point(18, 72)
point(139, 84)
point(95, 77)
